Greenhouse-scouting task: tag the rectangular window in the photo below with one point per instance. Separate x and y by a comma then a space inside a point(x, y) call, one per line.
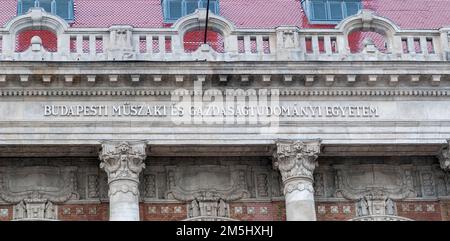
point(62, 8)
point(330, 11)
point(175, 9)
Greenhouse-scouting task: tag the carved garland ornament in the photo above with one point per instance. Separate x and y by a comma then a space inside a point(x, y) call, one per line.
point(299, 186)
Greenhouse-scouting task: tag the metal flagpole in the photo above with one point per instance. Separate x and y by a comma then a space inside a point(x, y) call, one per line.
point(206, 25)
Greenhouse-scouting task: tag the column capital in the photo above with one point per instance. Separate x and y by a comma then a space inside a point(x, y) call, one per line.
point(444, 157)
point(296, 159)
point(123, 160)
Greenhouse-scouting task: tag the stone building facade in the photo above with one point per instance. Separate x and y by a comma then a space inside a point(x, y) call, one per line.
point(273, 123)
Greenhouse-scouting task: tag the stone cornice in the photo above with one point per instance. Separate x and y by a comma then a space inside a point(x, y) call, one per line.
point(234, 67)
point(312, 92)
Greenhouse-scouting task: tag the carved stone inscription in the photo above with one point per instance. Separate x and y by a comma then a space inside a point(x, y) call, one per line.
point(144, 110)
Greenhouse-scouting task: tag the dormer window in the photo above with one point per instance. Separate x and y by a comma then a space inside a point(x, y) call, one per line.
point(62, 8)
point(175, 9)
point(330, 11)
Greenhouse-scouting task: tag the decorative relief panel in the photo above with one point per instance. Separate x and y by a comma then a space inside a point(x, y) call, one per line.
point(357, 181)
point(93, 186)
point(149, 186)
point(35, 209)
point(262, 185)
point(208, 209)
point(319, 186)
point(52, 183)
point(428, 184)
point(207, 182)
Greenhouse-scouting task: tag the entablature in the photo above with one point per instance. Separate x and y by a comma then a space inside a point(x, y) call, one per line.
point(289, 78)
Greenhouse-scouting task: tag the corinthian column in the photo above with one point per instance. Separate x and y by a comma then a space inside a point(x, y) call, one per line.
point(123, 162)
point(296, 161)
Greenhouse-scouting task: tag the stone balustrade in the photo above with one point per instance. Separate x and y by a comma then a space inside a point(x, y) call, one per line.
point(284, 43)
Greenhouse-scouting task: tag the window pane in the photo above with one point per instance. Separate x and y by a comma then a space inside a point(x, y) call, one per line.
point(352, 8)
point(46, 5)
point(213, 6)
point(191, 6)
point(62, 8)
point(26, 5)
point(203, 3)
point(335, 11)
point(175, 10)
point(318, 10)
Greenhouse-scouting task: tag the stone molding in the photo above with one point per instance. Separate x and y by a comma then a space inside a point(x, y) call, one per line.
point(300, 185)
point(283, 92)
point(123, 160)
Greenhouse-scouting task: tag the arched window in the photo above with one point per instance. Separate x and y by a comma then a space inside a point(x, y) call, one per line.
point(175, 9)
point(62, 8)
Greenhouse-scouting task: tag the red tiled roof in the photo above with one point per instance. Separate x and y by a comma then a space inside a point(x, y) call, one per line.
point(408, 14)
